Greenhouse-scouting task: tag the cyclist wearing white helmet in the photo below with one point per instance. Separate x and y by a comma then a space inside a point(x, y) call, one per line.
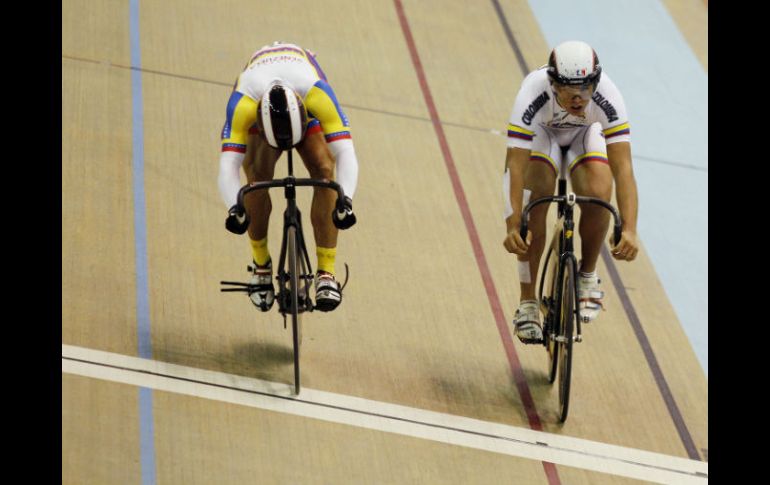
point(567, 112)
point(282, 100)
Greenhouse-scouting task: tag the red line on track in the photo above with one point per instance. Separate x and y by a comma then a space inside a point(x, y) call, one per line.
point(486, 276)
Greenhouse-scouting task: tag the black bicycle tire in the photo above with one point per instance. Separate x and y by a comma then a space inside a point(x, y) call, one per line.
point(545, 271)
point(567, 319)
point(296, 328)
point(551, 316)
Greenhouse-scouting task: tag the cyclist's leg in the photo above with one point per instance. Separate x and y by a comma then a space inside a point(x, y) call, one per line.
point(539, 181)
point(320, 164)
point(259, 166)
point(591, 176)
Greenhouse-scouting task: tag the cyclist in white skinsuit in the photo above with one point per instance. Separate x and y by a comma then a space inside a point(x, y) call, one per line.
point(567, 112)
point(281, 100)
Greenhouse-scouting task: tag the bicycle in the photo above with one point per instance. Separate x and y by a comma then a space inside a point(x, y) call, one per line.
point(295, 273)
point(560, 315)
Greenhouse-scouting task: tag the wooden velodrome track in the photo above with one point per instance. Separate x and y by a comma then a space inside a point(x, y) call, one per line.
point(425, 322)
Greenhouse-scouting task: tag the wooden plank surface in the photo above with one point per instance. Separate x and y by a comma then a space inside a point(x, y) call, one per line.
point(100, 432)
point(98, 258)
point(691, 17)
point(416, 327)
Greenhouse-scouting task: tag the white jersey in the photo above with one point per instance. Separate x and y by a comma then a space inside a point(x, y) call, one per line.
point(298, 68)
point(536, 107)
point(287, 62)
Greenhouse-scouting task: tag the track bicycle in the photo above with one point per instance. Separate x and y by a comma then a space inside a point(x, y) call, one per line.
point(295, 273)
point(558, 291)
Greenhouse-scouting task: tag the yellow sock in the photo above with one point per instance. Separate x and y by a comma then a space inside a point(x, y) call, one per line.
point(259, 251)
point(326, 257)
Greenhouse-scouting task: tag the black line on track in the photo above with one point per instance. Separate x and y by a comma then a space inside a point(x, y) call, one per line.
point(378, 415)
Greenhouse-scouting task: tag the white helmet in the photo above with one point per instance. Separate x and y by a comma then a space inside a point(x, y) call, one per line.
point(281, 116)
point(574, 63)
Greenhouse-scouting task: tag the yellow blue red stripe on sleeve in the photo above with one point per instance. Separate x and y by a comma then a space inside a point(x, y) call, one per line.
point(622, 129)
point(519, 132)
point(322, 104)
point(241, 116)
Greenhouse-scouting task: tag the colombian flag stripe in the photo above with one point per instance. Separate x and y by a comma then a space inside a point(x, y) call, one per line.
point(589, 157)
point(622, 129)
point(542, 157)
point(519, 132)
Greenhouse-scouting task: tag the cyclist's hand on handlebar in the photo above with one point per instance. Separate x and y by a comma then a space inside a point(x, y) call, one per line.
point(514, 244)
point(237, 220)
point(627, 248)
point(342, 215)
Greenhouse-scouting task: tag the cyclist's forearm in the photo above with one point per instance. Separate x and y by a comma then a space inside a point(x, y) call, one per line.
point(619, 155)
point(515, 194)
point(347, 165)
point(628, 201)
point(516, 159)
point(229, 180)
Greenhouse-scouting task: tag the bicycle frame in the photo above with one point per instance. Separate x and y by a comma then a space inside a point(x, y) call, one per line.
point(291, 218)
point(295, 277)
point(563, 244)
point(558, 331)
point(565, 225)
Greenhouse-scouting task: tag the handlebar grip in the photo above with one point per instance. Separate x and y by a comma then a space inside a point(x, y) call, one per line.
point(523, 230)
point(616, 234)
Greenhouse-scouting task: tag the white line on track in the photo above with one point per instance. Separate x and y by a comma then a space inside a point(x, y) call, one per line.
point(381, 416)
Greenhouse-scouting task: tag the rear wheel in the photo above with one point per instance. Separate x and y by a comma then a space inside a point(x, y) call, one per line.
point(567, 325)
point(294, 286)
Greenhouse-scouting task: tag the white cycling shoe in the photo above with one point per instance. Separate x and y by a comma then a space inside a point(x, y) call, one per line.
point(263, 293)
point(589, 297)
point(526, 321)
point(327, 292)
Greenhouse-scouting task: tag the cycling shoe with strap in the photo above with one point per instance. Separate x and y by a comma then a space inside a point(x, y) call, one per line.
point(589, 297)
point(526, 322)
point(262, 293)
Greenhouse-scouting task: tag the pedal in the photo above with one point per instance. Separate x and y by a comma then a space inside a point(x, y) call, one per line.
point(306, 305)
point(237, 286)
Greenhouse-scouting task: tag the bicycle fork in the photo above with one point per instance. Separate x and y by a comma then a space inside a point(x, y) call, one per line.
point(293, 219)
point(568, 257)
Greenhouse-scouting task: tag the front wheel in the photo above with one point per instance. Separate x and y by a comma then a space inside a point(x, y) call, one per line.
point(294, 288)
point(550, 311)
point(565, 335)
